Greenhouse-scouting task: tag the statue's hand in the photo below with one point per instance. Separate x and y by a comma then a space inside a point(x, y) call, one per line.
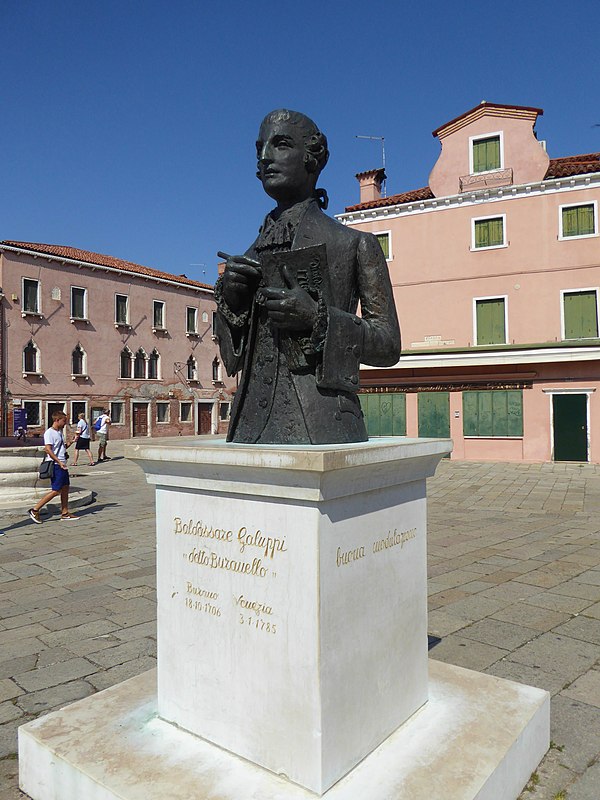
point(291, 308)
point(240, 280)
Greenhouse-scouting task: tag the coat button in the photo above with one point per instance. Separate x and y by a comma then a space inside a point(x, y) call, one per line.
point(263, 402)
point(356, 350)
point(354, 379)
point(269, 357)
point(337, 415)
point(268, 380)
point(356, 321)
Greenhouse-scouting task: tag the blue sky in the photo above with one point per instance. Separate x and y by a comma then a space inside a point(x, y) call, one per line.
point(128, 128)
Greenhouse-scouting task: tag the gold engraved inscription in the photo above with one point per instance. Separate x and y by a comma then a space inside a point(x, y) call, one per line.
point(206, 558)
point(268, 544)
point(200, 592)
point(258, 624)
point(349, 556)
point(394, 539)
point(200, 605)
point(199, 528)
point(253, 605)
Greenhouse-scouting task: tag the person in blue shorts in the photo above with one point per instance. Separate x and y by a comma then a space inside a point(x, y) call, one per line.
point(56, 450)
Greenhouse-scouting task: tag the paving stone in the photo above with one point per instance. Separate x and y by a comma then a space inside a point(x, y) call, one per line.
point(9, 690)
point(592, 577)
point(582, 627)
point(558, 602)
point(57, 673)
point(587, 787)
point(55, 697)
point(565, 655)
point(9, 712)
point(89, 629)
point(464, 652)
point(540, 619)
point(14, 666)
point(9, 769)
point(128, 651)
point(499, 633)
point(575, 725)
point(586, 688)
point(102, 680)
point(548, 679)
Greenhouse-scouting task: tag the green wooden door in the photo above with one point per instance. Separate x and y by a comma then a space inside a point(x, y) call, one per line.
point(570, 427)
point(434, 414)
point(385, 414)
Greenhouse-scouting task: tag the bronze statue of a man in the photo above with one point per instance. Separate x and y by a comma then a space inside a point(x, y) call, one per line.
point(287, 308)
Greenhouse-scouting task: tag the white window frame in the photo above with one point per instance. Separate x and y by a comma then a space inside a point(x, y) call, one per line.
point(39, 405)
point(491, 246)
point(571, 390)
point(148, 405)
point(389, 235)
point(158, 366)
point(85, 317)
point(168, 405)
point(37, 313)
point(222, 404)
point(563, 292)
point(84, 366)
point(38, 360)
point(189, 421)
point(562, 238)
point(131, 361)
point(112, 419)
point(189, 332)
point(478, 138)
point(163, 327)
point(126, 323)
point(491, 297)
point(85, 403)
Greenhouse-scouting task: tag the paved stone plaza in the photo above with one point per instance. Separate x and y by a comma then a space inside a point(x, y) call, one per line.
point(514, 565)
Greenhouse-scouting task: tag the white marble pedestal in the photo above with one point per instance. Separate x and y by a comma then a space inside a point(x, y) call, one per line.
point(291, 632)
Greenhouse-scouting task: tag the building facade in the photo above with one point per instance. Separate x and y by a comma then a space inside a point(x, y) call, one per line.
point(496, 273)
point(82, 332)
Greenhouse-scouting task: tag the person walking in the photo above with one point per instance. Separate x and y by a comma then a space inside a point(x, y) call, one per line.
point(103, 436)
point(56, 450)
point(82, 440)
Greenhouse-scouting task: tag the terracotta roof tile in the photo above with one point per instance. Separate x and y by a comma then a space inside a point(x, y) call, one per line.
point(87, 257)
point(406, 197)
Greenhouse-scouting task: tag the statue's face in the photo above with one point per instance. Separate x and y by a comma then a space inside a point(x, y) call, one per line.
point(281, 165)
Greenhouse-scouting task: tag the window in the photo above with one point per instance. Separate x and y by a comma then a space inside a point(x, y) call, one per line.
point(216, 370)
point(77, 408)
point(385, 414)
point(490, 320)
point(486, 153)
point(185, 411)
point(153, 362)
point(139, 365)
point(191, 371)
point(578, 221)
point(31, 358)
point(162, 412)
point(117, 416)
point(204, 316)
point(224, 411)
point(384, 240)
point(31, 296)
point(158, 315)
point(121, 309)
point(488, 232)
point(191, 320)
point(214, 323)
point(78, 303)
point(125, 365)
point(493, 413)
point(32, 412)
point(580, 314)
point(78, 361)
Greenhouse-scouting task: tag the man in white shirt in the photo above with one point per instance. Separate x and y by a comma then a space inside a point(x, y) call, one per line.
point(56, 450)
point(103, 436)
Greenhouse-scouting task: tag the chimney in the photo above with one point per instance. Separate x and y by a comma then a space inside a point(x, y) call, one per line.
point(370, 184)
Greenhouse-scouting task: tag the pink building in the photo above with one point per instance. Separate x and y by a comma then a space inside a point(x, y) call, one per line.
point(496, 272)
point(81, 332)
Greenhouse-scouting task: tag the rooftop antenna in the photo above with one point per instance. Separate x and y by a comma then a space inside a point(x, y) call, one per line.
point(382, 140)
point(200, 265)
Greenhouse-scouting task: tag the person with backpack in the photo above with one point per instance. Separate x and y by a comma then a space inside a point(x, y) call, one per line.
point(56, 450)
point(82, 440)
point(101, 426)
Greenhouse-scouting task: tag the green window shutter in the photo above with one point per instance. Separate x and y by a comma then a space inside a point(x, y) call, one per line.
point(493, 413)
point(581, 315)
point(490, 321)
point(486, 154)
point(578, 220)
point(398, 414)
point(489, 232)
point(386, 426)
point(470, 414)
point(370, 407)
point(384, 241)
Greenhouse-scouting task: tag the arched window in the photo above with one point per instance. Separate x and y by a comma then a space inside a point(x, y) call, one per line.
point(31, 357)
point(139, 364)
point(78, 361)
point(204, 316)
point(192, 372)
point(125, 371)
point(153, 362)
point(216, 370)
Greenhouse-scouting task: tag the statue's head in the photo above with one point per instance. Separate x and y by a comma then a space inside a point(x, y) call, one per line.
point(291, 152)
